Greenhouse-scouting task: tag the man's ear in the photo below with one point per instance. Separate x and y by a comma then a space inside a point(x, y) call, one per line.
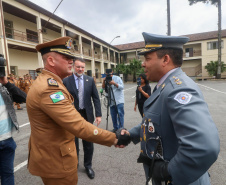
point(51, 61)
point(166, 60)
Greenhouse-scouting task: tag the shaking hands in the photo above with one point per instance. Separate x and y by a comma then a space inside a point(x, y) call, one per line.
point(123, 137)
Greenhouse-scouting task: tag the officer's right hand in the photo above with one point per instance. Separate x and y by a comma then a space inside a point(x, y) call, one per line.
point(123, 138)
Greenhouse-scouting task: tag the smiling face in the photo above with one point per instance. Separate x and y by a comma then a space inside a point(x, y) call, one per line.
point(152, 67)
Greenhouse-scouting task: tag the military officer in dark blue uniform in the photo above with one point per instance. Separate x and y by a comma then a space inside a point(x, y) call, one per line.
point(179, 140)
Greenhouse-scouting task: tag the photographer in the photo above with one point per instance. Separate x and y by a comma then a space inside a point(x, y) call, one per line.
point(117, 100)
point(143, 92)
point(8, 124)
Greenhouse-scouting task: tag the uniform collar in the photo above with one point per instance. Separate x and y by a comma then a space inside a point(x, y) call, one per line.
point(56, 77)
point(165, 77)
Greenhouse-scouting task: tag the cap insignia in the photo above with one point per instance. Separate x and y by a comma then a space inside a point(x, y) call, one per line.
point(69, 44)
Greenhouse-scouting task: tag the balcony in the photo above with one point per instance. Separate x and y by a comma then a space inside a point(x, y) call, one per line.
point(21, 36)
point(97, 56)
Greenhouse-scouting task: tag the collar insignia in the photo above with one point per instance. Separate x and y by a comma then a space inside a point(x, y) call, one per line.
point(179, 82)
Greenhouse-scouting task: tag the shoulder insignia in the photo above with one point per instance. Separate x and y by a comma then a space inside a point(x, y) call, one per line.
point(52, 82)
point(163, 85)
point(183, 97)
point(56, 97)
point(179, 82)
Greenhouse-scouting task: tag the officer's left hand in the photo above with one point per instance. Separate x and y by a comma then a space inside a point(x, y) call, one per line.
point(160, 171)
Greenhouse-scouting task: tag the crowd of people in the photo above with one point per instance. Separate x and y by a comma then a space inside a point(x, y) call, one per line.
point(179, 140)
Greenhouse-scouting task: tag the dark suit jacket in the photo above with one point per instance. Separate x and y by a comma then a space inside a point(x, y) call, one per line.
point(90, 91)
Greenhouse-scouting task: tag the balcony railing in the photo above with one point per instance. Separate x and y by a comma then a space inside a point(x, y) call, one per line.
point(97, 56)
point(87, 53)
point(21, 36)
point(195, 53)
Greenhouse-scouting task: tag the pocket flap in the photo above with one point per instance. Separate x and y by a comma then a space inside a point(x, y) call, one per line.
point(155, 118)
point(67, 148)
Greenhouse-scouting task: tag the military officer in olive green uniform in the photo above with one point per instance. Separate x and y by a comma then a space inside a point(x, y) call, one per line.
point(54, 120)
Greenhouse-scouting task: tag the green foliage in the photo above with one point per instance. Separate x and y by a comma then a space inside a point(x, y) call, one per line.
point(134, 68)
point(213, 2)
point(212, 68)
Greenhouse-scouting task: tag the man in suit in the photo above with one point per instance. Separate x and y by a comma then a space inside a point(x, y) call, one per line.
point(54, 120)
point(179, 140)
point(83, 105)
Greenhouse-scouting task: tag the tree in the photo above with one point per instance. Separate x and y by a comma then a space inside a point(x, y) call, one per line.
point(212, 68)
point(135, 66)
point(217, 3)
point(123, 69)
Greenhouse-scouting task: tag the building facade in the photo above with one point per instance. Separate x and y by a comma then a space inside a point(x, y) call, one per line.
point(200, 50)
point(24, 25)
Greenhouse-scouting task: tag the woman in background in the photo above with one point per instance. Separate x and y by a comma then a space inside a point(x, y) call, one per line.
point(143, 92)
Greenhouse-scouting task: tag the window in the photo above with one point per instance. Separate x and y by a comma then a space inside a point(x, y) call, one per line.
point(8, 29)
point(32, 36)
point(214, 45)
point(189, 52)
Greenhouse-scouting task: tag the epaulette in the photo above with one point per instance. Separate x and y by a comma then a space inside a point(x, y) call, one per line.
point(52, 82)
point(176, 82)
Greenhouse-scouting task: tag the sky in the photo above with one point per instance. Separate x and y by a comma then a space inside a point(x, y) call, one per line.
point(107, 19)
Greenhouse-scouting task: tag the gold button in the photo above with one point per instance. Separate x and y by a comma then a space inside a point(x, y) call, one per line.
point(69, 149)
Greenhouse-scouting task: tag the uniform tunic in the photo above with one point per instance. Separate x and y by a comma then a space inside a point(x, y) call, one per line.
point(177, 116)
point(54, 125)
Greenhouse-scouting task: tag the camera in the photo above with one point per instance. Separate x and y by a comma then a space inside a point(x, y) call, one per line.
point(108, 75)
point(138, 81)
point(2, 65)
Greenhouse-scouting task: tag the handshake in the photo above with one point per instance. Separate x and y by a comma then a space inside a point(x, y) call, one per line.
point(123, 137)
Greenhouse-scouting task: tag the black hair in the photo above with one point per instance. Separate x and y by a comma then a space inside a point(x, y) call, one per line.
point(145, 78)
point(80, 59)
point(175, 54)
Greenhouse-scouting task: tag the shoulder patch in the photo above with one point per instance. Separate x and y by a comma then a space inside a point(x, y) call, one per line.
point(52, 82)
point(56, 97)
point(183, 97)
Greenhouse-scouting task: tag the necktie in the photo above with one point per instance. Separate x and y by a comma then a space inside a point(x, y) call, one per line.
point(80, 93)
point(155, 88)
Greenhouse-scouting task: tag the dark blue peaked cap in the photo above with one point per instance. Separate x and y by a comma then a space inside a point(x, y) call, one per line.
point(155, 42)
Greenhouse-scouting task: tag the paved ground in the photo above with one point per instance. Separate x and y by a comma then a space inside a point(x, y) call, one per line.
point(118, 166)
